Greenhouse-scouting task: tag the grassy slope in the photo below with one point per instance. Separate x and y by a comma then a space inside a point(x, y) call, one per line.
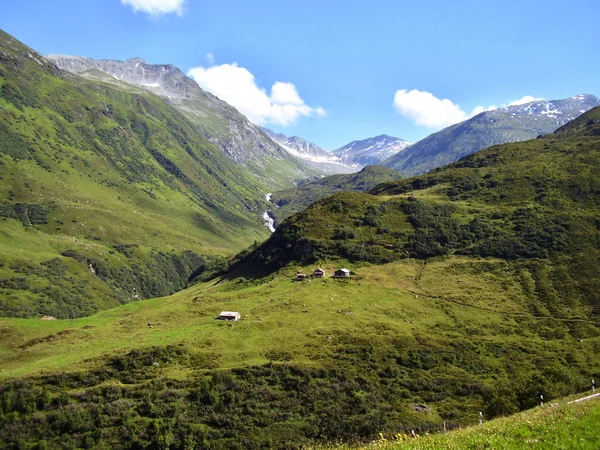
point(456, 335)
point(117, 177)
point(291, 201)
point(550, 428)
point(451, 330)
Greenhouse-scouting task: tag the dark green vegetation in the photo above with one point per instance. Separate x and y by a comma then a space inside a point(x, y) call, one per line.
point(107, 195)
point(307, 192)
point(510, 124)
point(488, 298)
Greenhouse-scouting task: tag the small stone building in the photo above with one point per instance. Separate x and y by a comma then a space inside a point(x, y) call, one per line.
point(230, 315)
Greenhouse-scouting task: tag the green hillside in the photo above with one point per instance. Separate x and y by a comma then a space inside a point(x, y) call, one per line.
point(474, 288)
point(533, 204)
point(573, 427)
point(107, 195)
point(242, 141)
point(290, 201)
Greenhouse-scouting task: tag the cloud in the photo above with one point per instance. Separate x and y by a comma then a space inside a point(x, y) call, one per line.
point(524, 99)
point(156, 8)
point(425, 109)
point(210, 58)
point(237, 86)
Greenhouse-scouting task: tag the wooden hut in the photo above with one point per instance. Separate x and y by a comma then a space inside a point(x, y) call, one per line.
point(319, 273)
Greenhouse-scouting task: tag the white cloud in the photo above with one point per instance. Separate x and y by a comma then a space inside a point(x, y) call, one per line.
point(156, 8)
point(237, 86)
point(210, 58)
point(425, 109)
point(524, 99)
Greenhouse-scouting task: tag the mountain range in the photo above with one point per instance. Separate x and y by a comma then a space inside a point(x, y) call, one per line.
point(221, 124)
point(126, 191)
point(310, 153)
point(509, 124)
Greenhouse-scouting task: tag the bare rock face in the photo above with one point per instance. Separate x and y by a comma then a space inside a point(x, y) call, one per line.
point(163, 80)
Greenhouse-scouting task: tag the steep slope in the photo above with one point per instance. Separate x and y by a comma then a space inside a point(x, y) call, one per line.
point(106, 195)
point(242, 141)
point(371, 151)
point(291, 201)
point(510, 124)
point(310, 153)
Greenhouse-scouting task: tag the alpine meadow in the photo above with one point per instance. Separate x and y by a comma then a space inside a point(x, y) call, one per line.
point(175, 275)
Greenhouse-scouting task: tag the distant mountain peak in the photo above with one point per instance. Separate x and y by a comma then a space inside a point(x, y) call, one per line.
point(361, 153)
point(509, 124)
point(310, 153)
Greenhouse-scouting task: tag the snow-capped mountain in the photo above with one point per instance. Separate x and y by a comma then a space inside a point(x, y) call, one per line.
point(370, 151)
point(311, 154)
point(499, 126)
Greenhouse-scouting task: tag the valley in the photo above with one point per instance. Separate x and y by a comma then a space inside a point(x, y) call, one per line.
point(135, 208)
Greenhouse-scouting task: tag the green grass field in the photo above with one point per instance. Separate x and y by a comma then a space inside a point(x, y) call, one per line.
point(303, 319)
point(455, 335)
point(564, 427)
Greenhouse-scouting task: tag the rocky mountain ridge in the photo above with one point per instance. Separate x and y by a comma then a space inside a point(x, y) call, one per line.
point(310, 153)
point(242, 141)
point(499, 126)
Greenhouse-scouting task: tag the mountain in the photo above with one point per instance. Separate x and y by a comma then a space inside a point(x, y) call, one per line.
point(108, 194)
point(242, 141)
point(291, 201)
point(370, 151)
point(516, 202)
point(474, 290)
point(510, 124)
point(310, 153)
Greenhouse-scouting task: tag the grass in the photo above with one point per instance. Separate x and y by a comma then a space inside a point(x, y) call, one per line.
point(549, 428)
point(307, 321)
point(291, 201)
point(105, 166)
point(393, 336)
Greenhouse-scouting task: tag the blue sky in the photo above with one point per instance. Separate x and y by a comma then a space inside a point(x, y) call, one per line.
point(333, 71)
